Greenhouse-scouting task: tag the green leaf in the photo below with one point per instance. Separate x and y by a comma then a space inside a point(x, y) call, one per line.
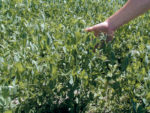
point(19, 67)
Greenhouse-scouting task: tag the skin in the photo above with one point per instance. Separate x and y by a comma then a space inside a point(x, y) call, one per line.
point(131, 10)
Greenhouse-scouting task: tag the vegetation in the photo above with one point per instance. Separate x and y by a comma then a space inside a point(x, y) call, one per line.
point(48, 63)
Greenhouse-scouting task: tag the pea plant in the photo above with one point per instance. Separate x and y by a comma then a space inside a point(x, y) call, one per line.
point(49, 64)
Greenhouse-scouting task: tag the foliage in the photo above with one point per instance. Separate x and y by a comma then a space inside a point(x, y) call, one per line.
point(47, 63)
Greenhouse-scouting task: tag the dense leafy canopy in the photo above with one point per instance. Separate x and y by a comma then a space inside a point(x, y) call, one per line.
point(47, 63)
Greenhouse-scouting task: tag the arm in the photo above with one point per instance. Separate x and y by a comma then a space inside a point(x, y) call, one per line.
point(131, 10)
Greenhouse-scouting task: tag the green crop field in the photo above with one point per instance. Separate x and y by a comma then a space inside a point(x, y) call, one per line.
point(48, 63)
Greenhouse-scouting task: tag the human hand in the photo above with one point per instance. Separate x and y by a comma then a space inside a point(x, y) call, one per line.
point(103, 27)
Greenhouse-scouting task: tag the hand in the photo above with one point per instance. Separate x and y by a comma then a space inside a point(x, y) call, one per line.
point(103, 27)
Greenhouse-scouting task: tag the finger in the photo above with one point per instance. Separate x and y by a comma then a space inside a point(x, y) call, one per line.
point(96, 34)
point(109, 38)
point(89, 29)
